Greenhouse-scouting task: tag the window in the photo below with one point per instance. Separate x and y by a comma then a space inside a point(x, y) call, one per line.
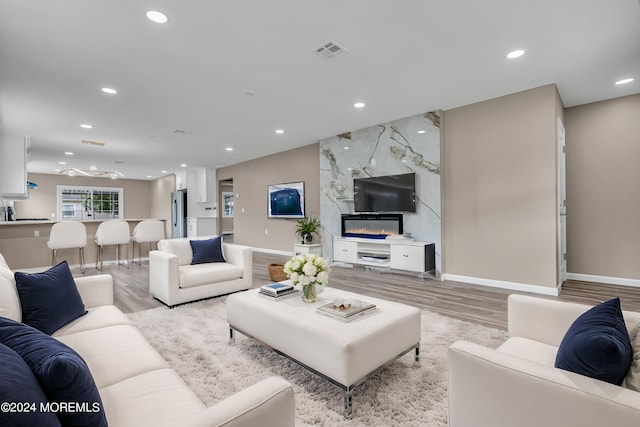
point(83, 203)
point(227, 202)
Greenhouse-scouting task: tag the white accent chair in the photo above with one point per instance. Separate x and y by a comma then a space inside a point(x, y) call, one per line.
point(113, 232)
point(67, 235)
point(174, 280)
point(147, 231)
point(518, 385)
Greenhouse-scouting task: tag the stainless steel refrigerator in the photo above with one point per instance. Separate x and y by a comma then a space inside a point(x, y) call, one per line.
point(179, 214)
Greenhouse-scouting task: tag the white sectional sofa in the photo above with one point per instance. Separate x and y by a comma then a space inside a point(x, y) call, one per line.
point(174, 280)
point(518, 385)
point(135, 383)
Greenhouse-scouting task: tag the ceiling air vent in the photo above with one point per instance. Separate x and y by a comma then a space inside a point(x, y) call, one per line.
point(330, 50)
point(179, 131)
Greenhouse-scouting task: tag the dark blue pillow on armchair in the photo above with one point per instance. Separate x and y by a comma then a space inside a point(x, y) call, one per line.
point(19, 386)
point(597, 344)
point(62, 374)
point(209, 250)
point(49, 300)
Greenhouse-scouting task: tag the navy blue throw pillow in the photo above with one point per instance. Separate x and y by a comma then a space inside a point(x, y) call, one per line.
point(49, 300)
point(63, 375)
point(18, 386)
point(209, 250)
point(597, 344)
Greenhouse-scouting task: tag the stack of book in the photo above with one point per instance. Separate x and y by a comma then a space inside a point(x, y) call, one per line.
point(277, 290)
point(347, 312)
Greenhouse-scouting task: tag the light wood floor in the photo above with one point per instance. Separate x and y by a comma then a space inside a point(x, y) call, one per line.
point(479, 304)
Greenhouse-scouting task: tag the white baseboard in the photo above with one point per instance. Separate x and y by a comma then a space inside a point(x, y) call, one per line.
point(604, 279)
point(521, 287)
point(272, 251)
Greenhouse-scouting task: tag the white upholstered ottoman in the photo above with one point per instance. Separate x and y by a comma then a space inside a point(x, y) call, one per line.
point(344, 353)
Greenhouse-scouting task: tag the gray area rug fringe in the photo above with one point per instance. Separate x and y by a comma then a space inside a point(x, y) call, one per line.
point(193, 338)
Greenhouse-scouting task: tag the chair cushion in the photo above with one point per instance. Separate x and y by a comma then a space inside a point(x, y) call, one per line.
point(209, 250)
point(61, 372)
point(9, 300)
point(178, 247)
point(19, 386)
point(597, 344)
point(49, 300)
point(204, 274)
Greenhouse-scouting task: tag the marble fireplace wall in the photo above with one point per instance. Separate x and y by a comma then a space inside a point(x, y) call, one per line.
point(386, 149)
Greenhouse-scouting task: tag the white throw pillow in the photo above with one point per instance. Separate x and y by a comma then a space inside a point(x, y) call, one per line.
point(632, 380)
point(9, 300)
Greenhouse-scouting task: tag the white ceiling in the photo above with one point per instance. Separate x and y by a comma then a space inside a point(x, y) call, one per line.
point(405, 57)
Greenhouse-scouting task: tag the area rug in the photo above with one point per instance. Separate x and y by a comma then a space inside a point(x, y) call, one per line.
point(193, 338)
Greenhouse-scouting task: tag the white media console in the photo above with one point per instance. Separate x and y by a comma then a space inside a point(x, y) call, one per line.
point(395, 254)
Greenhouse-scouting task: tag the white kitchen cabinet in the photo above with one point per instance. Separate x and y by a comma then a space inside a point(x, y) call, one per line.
point(201, 227)
point(13, 166)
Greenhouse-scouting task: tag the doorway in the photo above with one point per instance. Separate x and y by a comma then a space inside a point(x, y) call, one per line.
point(226, 199)
point(562, 206)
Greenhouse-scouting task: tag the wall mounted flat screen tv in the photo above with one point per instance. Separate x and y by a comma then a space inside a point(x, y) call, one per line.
point(286, 200)
point(391, 193)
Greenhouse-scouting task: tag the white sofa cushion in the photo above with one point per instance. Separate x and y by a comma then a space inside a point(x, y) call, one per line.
point(202, 274)
point(9, 299)
point(96, 318)
point(178, 247)
point(154, 398)
point(114, 353)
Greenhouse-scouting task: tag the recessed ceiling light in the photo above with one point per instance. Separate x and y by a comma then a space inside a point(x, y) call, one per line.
point(624, 81)
point(515, 54)
point(62, 163)
point(109, 90)
point(359, 104)
point(149, 176)
point(421, 131)
point(229, 149)
point(157, 17)
point(280, 131)
point(183, 165)
point(68, 153)
point(346, 147)
point(86, 126)
point(57, 170)
point(163, 171)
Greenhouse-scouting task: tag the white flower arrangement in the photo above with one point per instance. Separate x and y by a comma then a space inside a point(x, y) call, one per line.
point(304, 269)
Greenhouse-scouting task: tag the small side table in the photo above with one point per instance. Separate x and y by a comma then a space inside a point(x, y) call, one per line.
point(315, 248)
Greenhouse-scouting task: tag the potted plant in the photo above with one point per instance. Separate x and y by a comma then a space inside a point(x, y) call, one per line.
point(305, 227)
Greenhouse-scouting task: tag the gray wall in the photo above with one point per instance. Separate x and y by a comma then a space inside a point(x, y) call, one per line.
point(499, 189)
point(250, 180)
point(603, 175)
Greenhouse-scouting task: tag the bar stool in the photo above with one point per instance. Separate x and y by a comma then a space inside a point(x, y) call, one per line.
point(67, 235)
point(112, 232)
point(147, 231)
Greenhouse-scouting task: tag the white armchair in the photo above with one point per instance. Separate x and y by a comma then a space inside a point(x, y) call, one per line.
point(173, 280)
point(517, 384)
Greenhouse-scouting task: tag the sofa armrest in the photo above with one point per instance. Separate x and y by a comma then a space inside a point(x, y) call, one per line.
point(95, 290)
point(491, 388)
point(164, 275)
point(268, 403)
point(242, 256)
point(238, 255)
